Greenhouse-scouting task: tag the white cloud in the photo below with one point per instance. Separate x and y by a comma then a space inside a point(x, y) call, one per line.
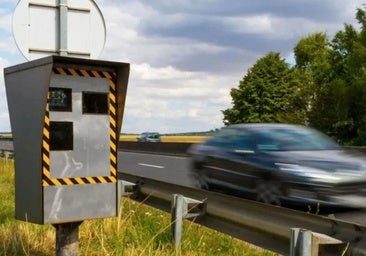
point(160, 95)
point(5, 20)
point(257, 24)
point(7, 44)
point(3, 63)
point(185, 57)
point(145, 72)
point(4, 116)
point(274, 27)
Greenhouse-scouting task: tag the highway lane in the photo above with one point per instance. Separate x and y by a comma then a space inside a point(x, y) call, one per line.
point(171, 169)
point(174, 169)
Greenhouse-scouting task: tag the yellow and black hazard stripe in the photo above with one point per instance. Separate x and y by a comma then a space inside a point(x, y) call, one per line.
point(112, 178)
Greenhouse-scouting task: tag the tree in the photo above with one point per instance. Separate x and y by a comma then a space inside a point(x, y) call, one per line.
point(312, 59)
point(311, 51)
point(264, 92)
point(348, 59)
point(298, 106)
point(338, 73)
point(326, 88)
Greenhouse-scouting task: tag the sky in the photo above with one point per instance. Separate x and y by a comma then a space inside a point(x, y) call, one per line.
point(186, 55)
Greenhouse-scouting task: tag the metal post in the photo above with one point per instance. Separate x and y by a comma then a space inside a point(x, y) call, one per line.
point(126, 188)
point(63, 51)
point(183, 208)
point(177, 219)
point(6, 155)
point(67, 239)
point(301, 242)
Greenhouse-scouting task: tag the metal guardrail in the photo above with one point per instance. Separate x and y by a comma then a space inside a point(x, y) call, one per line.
point(263, 225)
point(6, 148)
point(168, 148)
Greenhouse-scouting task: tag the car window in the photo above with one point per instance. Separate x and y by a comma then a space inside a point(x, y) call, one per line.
point(243, 140)
point(222, 138)
point(154, 135)
point(272, 139)
point(292, 139)
point(232, 139)
point(142, 135)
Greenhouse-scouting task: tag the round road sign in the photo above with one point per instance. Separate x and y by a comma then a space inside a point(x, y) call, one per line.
point(59, 27)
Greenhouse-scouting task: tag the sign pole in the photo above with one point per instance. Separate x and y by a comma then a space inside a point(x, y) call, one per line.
point(63, 28)
point(67, 234)
point(67, 239)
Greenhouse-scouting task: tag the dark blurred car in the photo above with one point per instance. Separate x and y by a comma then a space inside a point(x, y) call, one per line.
point(149, 137)
point(277, 163)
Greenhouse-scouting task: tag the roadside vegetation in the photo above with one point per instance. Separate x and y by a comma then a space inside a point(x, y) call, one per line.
point(139, 230)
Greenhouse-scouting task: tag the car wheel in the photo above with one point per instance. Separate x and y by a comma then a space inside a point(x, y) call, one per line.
point(269, 192)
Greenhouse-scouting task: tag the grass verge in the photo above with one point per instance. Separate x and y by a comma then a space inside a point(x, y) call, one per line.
point(139, 230)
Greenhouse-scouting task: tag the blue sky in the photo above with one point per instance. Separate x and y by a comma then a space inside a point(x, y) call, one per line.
point(186, 55)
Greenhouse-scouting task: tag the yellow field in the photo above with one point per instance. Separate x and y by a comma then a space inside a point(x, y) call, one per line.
point(185, 139)
point(6, 136)
point(172, 138)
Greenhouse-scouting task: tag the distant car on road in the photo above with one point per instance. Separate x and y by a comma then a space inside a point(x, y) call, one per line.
point(149, 137)
point(277, 163)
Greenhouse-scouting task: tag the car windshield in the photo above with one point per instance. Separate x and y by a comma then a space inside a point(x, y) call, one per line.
point(273, 138)
point(291, 139)
point(153, 135)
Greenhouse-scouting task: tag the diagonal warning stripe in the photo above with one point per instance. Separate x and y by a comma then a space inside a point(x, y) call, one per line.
point(47, 179)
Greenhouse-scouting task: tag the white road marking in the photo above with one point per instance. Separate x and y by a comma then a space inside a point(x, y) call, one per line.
point(153, 166)
point(162, 156)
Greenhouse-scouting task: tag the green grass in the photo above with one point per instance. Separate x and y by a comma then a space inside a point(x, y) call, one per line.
point(139, 230)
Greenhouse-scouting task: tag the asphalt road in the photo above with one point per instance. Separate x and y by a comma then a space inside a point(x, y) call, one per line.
point(173, 169)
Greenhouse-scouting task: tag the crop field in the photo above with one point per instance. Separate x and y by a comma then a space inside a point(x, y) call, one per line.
point(170, 138)
point(164, 138)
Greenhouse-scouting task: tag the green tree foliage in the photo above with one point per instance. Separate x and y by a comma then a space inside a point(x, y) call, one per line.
point(347, 88)
point(311, 51)
point(326, 88)
point(299, 98)
point(312, 58)
point(311, 55)
point(263, 94)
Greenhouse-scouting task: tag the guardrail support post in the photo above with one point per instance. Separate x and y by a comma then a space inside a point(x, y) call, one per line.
point(8, 155)
point(300, 243)
point(125, 188)
point(182, 208)
point(306, 243)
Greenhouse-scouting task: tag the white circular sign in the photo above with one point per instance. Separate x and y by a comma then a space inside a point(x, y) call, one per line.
point(59, 27)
